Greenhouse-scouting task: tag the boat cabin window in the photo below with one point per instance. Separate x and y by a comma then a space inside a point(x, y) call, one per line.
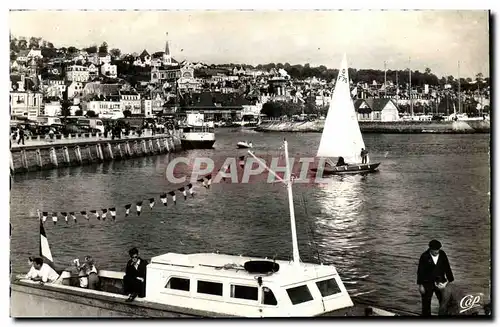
point(268, 297)
point(328, 287)
point(177, 283)
point(209, 288)
point(244, 292)
point(299, 294)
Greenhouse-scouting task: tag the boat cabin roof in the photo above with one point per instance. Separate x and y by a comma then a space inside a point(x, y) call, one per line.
point(231, 266)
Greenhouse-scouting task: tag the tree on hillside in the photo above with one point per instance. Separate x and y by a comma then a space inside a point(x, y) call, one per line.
point(34, 42)
point(72, 50)
point(50, 45)
point(115, 53)
point(103, 49)
point(91, 49)
point(22, 44)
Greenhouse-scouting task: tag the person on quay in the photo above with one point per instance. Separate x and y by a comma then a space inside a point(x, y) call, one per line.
point(21, 135)
point(433, 263)
point(134, 281)
point(42, 272)
point(453, 299)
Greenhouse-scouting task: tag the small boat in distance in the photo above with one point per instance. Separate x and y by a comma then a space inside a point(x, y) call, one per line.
point(341, 137)
point(244, 145)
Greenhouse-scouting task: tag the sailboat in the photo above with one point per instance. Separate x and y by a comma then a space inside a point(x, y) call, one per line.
point(341, 136)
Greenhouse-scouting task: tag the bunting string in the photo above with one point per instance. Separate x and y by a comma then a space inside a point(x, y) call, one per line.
point(102, 214)
point(205, 181)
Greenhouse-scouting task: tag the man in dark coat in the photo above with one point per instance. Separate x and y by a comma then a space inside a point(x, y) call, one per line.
point(433, 263)
point(134, 281)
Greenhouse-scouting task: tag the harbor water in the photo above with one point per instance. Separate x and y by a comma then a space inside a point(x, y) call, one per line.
point(372, 228)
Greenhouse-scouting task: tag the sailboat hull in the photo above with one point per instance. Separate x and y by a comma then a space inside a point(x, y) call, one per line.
point(350, 169)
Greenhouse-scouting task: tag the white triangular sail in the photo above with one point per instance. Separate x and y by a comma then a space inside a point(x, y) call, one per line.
point(341, 134)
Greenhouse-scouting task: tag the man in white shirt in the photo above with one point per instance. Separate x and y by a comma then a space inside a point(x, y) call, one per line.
point(42, 272)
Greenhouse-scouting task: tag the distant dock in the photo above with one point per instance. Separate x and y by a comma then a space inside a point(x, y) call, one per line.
point(83, 149)
point(403, 127)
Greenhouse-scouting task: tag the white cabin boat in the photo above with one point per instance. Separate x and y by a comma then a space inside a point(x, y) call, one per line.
point(244, 145)
point(197, 134)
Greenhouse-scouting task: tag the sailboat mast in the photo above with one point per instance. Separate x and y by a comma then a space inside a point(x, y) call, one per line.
point(397, 89)
point(288, 181)
point(459, 102)
point(385, 79)
point(411, 98)
point(295, 244)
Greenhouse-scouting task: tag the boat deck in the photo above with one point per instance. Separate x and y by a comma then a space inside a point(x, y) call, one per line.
point(30, 299)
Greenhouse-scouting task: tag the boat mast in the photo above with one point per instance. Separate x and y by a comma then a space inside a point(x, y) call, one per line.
point(288, 182)
point(397, 90)
point(385, 79)
point(459, 102)
point(411, 101)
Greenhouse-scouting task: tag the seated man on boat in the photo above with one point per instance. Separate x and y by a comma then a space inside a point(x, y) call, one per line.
point(42, 272)
point(341, 162)
point(88, 274)
point(134, 281)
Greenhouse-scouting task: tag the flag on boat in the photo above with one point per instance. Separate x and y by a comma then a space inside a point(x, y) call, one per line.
point(190, 188)
point(44, 248)
point(163, 199)
point(44, 216)
point(183, 190)
point(65, 215)
point(127, 209)
point(72, 214)
point(84, 214)
point(172, 194)
point(104, 213)
point(138, 207)
point(54, 217)
point(151, 203)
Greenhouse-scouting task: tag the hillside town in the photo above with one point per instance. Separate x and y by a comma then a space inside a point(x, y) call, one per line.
point(46, 81)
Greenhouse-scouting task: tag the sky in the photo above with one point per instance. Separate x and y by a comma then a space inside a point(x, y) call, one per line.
point(419, 39)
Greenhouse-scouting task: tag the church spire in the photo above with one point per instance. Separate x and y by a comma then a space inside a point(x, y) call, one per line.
point(167, 50)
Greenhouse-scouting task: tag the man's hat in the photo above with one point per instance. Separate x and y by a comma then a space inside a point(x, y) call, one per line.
point(434, 245)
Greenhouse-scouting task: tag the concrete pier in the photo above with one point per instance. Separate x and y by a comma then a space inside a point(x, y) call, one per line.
point(75, 150)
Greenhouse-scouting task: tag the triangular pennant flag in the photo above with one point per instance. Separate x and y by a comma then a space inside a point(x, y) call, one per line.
point(84, 214)
point(72, 214)
point(151, 203)
point(190, 188)
point(172, 193)
point(44, 216)
point(163, 199)
point(65, 214)
point(45, 249)
point(138, 206)
point(209, 182)
point(127, 209)
point(54, 217)
point(94, 212)
point(112, 211)
point(183, 190)
point(104, 212)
